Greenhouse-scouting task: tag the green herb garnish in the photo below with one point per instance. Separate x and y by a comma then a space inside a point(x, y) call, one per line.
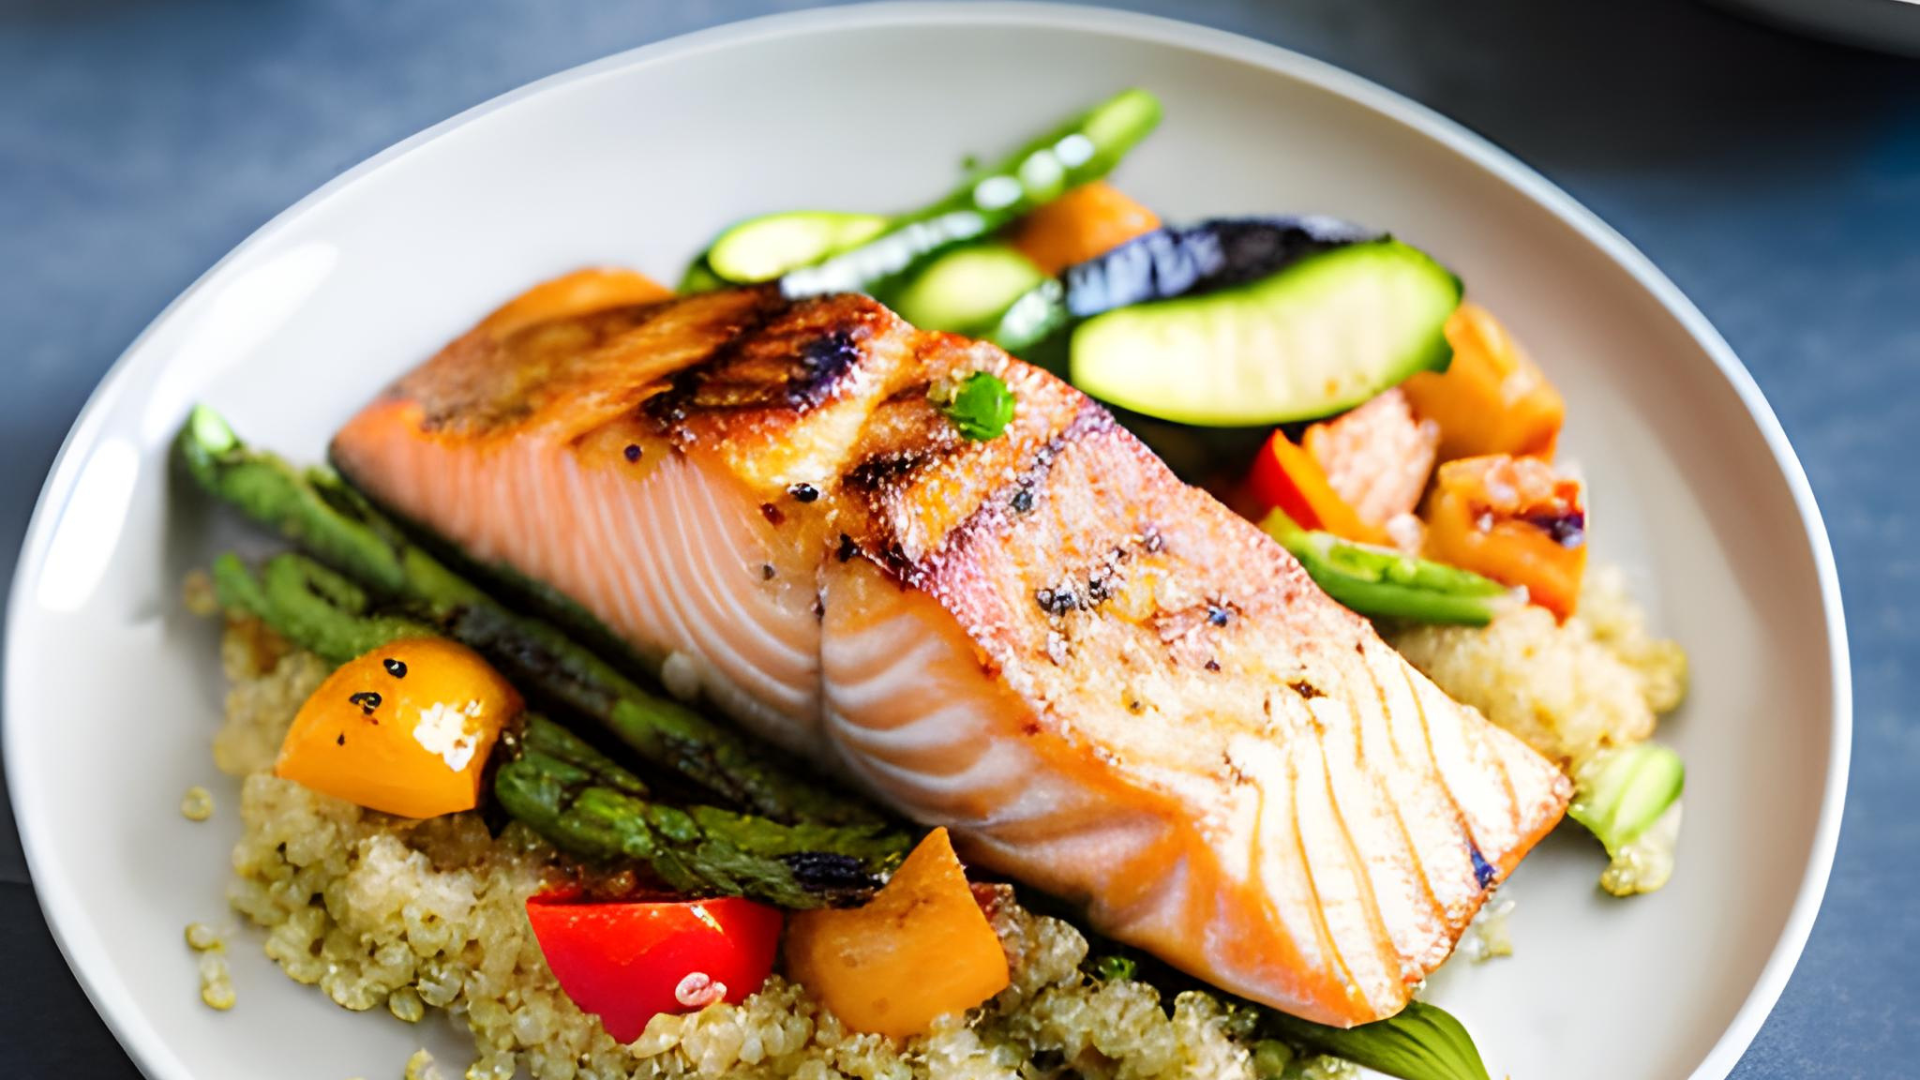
point(1114, 968)
point(981, 405)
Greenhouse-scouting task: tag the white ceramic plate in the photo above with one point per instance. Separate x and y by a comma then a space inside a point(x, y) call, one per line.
point(113, 691)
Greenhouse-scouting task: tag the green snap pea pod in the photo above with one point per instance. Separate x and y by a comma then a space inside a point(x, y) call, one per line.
point(1382, 583)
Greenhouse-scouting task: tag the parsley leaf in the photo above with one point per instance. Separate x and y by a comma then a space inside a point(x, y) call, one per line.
point(981, 406)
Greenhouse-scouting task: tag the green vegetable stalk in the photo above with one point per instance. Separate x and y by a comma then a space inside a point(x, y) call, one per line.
point(592, 809)
point(814, 252)
point(1381, 583)
point(1629, 797)
point(581, 800)
point(317, 510)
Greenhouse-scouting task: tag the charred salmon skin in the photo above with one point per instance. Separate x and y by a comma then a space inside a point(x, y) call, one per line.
point(1103, 682)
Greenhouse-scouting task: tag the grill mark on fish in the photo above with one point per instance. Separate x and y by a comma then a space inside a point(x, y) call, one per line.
point(717, 384)
point(1369, 897)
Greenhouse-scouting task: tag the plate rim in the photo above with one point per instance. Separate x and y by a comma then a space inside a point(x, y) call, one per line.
point(154, 1056)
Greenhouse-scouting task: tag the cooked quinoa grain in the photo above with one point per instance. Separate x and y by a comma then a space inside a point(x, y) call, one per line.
point(197, 804)
point(216, 984)
point(198, 594)
point(1569, 690)
point(376, 910)
point(421, 1066)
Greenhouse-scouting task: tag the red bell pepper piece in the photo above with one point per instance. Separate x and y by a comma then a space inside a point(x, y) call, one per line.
point(627, 962)
point(1287, 478)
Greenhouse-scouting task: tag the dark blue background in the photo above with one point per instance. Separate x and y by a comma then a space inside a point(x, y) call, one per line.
point(1776, 180)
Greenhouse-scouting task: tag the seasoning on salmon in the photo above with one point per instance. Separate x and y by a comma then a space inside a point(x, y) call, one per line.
point(1103, 682)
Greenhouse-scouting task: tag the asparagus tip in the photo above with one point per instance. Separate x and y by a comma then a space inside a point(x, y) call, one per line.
point(210, 431)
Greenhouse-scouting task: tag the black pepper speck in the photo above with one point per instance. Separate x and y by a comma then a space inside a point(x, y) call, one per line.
point(766, 571)
point(1218, 615)
point(633, 452)
point(1023, 500)
point(368, 700)
point(805, 493)
point(395, 668)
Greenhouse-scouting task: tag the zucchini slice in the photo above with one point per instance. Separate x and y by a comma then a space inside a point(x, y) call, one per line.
point(967, 288)
point(1174, 260)
point(762, 248)
point(1320, 335)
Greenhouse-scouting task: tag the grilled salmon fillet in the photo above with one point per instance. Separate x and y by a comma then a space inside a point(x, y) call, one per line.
point(1106, 684)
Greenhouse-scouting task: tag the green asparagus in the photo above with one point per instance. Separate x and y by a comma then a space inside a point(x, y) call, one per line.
point(321, 513)
point(566, 790)
point(1085, 148)
point(588, 813)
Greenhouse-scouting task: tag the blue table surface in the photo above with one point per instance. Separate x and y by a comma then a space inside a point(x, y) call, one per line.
point(1777, 180)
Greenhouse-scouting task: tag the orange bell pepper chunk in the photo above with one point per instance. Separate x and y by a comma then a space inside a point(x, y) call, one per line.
point(582, 292)
point(920, 949)
point(1492, 399)
point(404, 729)
point(1287, 477)
point(1514, 520)
point(1090, 220)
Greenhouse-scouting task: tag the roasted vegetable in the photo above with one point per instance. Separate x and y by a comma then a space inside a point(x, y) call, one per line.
point(404, 729)
point(1288, 479)
point(1382, 583)
point(919, 950)
point(591, 808)
point(1492, 399)
point(322, 514)
point(1320, 335)
point(763, 248)
point(1169, 262)
point(628, 962)
point(1515, 521)
point(1090, 220)
point(1629, 798)
point(1083, 149)
point(965, 290)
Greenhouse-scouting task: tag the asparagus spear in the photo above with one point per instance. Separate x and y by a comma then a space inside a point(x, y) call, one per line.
point(591, 808)
point(580, 799)
point(317, 510)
